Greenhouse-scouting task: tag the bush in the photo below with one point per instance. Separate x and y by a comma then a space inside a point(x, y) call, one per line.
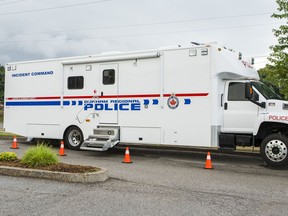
point(39, 156)
point(8, 156)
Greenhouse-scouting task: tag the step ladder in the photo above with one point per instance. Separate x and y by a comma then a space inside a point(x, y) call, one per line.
point(102, 139)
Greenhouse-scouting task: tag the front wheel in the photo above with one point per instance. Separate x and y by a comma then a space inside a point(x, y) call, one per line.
point(73, 137)
point(274, 149)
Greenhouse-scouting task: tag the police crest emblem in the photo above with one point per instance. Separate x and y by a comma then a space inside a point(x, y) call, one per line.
point(173, 102)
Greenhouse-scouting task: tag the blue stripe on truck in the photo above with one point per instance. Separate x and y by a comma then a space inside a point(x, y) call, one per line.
point(34, 103)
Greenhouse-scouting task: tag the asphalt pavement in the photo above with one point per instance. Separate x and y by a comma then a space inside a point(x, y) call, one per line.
point(158, 182)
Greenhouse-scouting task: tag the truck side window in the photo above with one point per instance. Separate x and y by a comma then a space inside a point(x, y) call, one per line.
point(75, 82)
point(108, 77)
point(236, 92)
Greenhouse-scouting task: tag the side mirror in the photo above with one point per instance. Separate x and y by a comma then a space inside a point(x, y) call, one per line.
point(252, 96)
point(248, 91)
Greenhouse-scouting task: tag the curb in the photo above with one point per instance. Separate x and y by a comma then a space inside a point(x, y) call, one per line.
point(92, 177)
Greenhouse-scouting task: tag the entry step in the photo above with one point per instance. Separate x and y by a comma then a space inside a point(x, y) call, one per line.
point(102, 139)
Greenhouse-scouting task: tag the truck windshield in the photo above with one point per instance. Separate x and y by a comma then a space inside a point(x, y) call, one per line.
point(266, 91)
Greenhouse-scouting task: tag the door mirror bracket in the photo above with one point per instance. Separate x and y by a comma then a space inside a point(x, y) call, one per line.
point(262, 104)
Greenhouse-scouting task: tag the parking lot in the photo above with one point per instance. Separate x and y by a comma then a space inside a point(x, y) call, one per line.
point(158, 182)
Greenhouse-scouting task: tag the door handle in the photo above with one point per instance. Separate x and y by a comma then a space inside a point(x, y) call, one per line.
point(225, 106)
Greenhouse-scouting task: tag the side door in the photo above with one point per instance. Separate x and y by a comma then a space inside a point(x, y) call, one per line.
point(239, 114)
point(108, 94)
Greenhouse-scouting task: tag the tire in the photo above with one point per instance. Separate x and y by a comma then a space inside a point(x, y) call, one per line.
point(73, 137)
point(274, 150)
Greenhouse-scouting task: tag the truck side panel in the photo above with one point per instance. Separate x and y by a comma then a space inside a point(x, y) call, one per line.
point(32, 96)
point(188, 79)
point(164, 100)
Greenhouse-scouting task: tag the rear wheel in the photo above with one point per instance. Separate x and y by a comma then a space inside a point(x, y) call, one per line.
point(274, 149)
point(73, 137)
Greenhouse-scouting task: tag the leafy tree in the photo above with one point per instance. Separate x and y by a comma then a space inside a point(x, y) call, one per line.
point(264, 77)
point(277, 72)
point(2, 77)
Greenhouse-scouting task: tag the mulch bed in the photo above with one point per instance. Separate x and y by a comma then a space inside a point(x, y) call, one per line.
point(61, 167)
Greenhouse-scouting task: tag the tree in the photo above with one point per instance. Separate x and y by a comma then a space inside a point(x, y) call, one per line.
point(264, 77)
point(2, 82)
point(277, 72)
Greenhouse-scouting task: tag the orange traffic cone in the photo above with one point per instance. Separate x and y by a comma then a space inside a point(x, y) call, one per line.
point(14, 144)
point(61, 150)
point(127, 156)
point(208, 164)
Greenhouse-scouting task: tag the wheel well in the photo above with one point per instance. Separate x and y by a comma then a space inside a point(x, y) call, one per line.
point(69, 128)
point(267, 128)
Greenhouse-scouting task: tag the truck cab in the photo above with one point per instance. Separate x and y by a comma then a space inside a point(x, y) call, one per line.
point(254, 115)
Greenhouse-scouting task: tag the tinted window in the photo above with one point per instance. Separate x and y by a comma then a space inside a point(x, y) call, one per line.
point(108, 77)
point(266, 91)
point(76, 82)
point(236, 92)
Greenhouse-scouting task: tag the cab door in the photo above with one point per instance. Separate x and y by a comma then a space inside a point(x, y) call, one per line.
point(108, 90)
point(239, 114)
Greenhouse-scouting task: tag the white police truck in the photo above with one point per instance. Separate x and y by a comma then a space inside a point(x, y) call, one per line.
point(203, 95)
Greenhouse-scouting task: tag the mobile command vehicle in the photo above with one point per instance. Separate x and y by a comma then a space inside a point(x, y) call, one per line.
point(196, 96)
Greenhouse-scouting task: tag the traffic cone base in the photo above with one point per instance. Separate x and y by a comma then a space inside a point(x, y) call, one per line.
point(208, 164)
point(61, 150)
point(127, 156)
point(14, 143)
point(127, 161)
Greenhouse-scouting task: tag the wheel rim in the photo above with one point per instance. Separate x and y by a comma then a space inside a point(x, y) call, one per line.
point(276, 150)
point(74, 138)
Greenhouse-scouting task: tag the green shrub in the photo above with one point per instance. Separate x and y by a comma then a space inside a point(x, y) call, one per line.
point(8, 156)
point(39, 156)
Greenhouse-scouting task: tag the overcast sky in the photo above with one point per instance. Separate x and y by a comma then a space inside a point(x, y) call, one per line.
point(38, 29)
